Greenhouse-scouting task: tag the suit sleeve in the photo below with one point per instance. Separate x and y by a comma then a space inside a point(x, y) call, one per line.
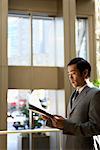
point(89, 128)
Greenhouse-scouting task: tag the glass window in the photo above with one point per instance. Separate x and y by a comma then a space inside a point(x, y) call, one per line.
point(47, 34)
point(19, 52)
point(97, 11)
point(43, 42)
point(98, 56)
point(59, 42)
point(38, 45)
point(18, 118)
point(18, 101)
point(82, 37)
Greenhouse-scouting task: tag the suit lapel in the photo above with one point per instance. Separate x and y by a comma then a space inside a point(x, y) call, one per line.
point(78, 99)
point(69, 108)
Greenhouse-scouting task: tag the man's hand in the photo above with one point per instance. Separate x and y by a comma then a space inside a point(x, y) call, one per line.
point(45, 117)
point(58, 121)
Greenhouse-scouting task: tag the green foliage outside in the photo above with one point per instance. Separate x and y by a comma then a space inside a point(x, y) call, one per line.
point(97, 83)
point(37, 123)
point(25, 111)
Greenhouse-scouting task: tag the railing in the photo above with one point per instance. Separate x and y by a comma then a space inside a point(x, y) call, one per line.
point(30, 131)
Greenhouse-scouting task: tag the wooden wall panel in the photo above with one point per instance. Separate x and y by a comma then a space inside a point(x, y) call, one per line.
point(85, 7)
point(40, 6)
point(35, 78)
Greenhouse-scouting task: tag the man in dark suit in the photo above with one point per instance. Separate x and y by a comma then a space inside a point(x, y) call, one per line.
point(83, 112)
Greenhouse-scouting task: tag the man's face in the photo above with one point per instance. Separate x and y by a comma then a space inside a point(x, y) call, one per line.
point(76, 78)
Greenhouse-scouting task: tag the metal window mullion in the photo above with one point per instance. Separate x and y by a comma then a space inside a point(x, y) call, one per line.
point(30, 112)
point(31, 39)
point(55, 42)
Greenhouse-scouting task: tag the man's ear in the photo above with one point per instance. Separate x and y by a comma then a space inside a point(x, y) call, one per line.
point(85, 73)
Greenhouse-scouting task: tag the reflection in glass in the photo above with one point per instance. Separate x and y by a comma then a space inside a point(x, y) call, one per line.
point(47, 34)
point(43, 42)
point(19, 40)
point(98, 56)
point(97, 31)
point(51, 100)
point(82, 37)
point(38, 45)
point(48, 100)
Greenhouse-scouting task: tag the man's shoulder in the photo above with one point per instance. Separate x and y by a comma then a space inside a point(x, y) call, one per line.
point(93, 90)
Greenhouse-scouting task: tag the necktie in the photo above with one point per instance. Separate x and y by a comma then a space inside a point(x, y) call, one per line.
point(75, 94)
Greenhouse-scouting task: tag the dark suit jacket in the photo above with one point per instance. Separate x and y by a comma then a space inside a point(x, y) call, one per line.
point(83, 120)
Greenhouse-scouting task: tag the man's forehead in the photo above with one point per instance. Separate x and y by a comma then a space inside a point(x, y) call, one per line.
point(72, 68)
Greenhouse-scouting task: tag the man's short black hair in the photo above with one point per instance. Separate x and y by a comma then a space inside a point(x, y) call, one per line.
point(81, 64)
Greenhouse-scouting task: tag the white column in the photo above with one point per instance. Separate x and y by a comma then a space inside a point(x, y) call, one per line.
point(3, 71)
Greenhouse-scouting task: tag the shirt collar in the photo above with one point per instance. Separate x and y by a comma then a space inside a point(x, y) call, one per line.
point(81, 88)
